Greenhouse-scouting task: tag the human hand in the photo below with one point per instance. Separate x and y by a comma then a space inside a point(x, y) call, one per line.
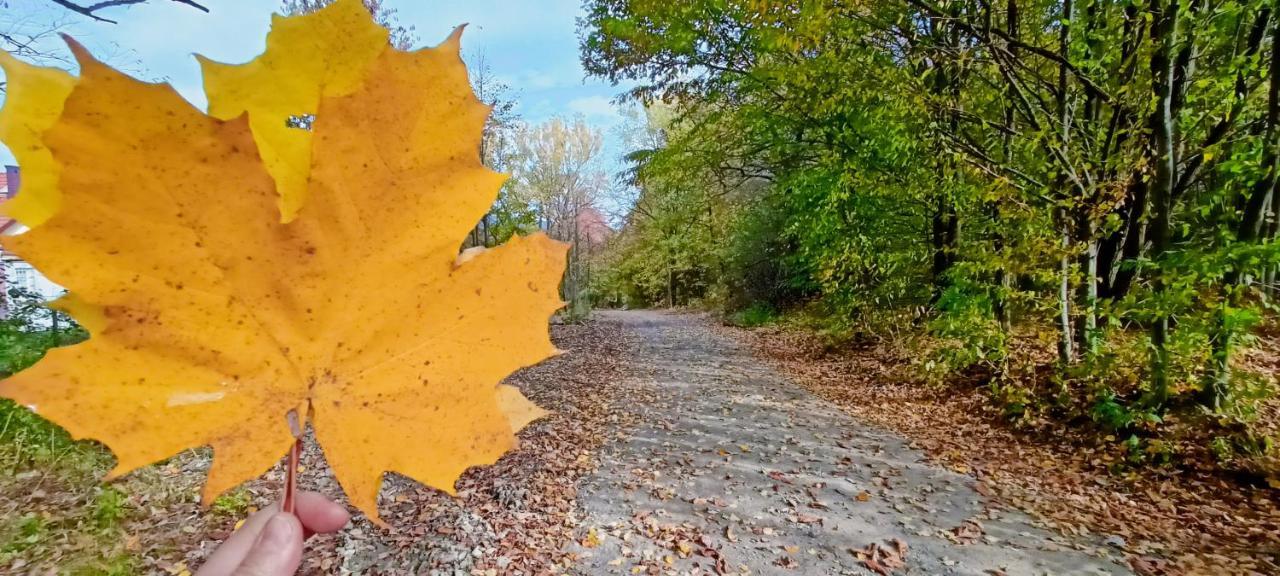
point(270, 542)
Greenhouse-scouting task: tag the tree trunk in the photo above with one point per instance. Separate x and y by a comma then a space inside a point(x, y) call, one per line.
point(946, 229)
point(1066, 351)
point(1087, 326)
point(1164, 127)
point(671, 285)
point(1273, 230)
point(1134, 240)
point(1000, 291)
point(999, 302)
point(1251, 228)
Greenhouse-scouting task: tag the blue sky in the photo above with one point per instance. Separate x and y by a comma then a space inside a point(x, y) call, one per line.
point(531, 45)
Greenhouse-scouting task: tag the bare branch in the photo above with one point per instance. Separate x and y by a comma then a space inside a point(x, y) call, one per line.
point(91, 9)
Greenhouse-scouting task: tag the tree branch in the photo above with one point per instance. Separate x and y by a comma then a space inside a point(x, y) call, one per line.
point(92, 8)
point(983, 35)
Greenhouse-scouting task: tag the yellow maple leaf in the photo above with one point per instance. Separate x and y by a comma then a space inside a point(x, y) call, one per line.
point(32, 104)
point(210, 319)
point(308, 57)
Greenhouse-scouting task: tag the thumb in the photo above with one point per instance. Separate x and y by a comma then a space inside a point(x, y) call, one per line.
point(278, 551)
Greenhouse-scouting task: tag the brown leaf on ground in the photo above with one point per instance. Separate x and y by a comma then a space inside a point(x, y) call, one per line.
point(1199, 521)
point(968, 532)
point(1146, 566)
point(883, 560)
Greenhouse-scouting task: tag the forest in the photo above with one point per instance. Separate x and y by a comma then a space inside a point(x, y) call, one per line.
point(1036, 242)
point(1073, 201)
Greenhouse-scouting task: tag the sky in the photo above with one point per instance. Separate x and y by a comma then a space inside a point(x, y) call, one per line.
point(530, 45)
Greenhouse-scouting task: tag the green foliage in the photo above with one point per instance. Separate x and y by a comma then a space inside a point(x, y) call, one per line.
point(752, 316)
point(21, 533)
point(1114, 416)
point(30, 330)
point(233, 504)
point(510, 215)
point(995, 185)
point(671, 250)
point(110, 506)
point(968, 331)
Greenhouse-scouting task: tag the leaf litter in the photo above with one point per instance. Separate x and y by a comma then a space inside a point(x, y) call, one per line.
point(514, 517)
point(1166, 521)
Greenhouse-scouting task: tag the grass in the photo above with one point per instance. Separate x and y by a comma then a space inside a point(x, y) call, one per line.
point(29, 442)
point(753, 316)
point(233, 504)
point(21, 533)
point(110, 507)
point(118, 565)
point(58, 514)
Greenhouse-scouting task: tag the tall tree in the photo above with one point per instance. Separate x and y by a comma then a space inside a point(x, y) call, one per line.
point(556, 171)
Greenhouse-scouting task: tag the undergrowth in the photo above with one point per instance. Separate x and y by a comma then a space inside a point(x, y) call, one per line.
point(1102, 398)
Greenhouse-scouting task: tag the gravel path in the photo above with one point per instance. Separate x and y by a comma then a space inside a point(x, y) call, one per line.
point(735, 470)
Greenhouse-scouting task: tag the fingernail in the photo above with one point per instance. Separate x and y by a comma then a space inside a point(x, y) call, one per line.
point(281, 530)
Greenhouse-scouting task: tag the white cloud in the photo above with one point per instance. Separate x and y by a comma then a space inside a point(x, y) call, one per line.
point(531, 80)
point(598, 108)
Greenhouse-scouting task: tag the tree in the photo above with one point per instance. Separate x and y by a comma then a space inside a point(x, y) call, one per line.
point(1103, 170)
point(555, 171)
point(510, 215)
point(31, 38)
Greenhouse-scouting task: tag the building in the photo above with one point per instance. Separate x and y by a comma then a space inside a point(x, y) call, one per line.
point(17, 276)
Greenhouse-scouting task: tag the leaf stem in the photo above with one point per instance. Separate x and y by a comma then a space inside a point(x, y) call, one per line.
point(291, 473)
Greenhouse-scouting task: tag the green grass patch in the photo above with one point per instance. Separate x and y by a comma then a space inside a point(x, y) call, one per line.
point(29, 442)
point(110, 507)
point(233, 504)
point(117, 565)
point(21, 533)
point(753, 316)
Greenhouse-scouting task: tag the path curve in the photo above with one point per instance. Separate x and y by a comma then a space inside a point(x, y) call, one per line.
point(736, 470)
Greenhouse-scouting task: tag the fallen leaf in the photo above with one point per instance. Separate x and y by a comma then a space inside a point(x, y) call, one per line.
point(883, 560)
point(967, 532)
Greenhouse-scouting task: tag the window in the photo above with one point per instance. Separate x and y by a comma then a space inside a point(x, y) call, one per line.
point(24, 277)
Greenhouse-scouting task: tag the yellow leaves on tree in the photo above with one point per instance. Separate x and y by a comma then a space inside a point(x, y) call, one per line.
point(231, 270)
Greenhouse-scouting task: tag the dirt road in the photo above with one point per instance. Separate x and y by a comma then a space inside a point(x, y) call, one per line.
point(736, 470)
